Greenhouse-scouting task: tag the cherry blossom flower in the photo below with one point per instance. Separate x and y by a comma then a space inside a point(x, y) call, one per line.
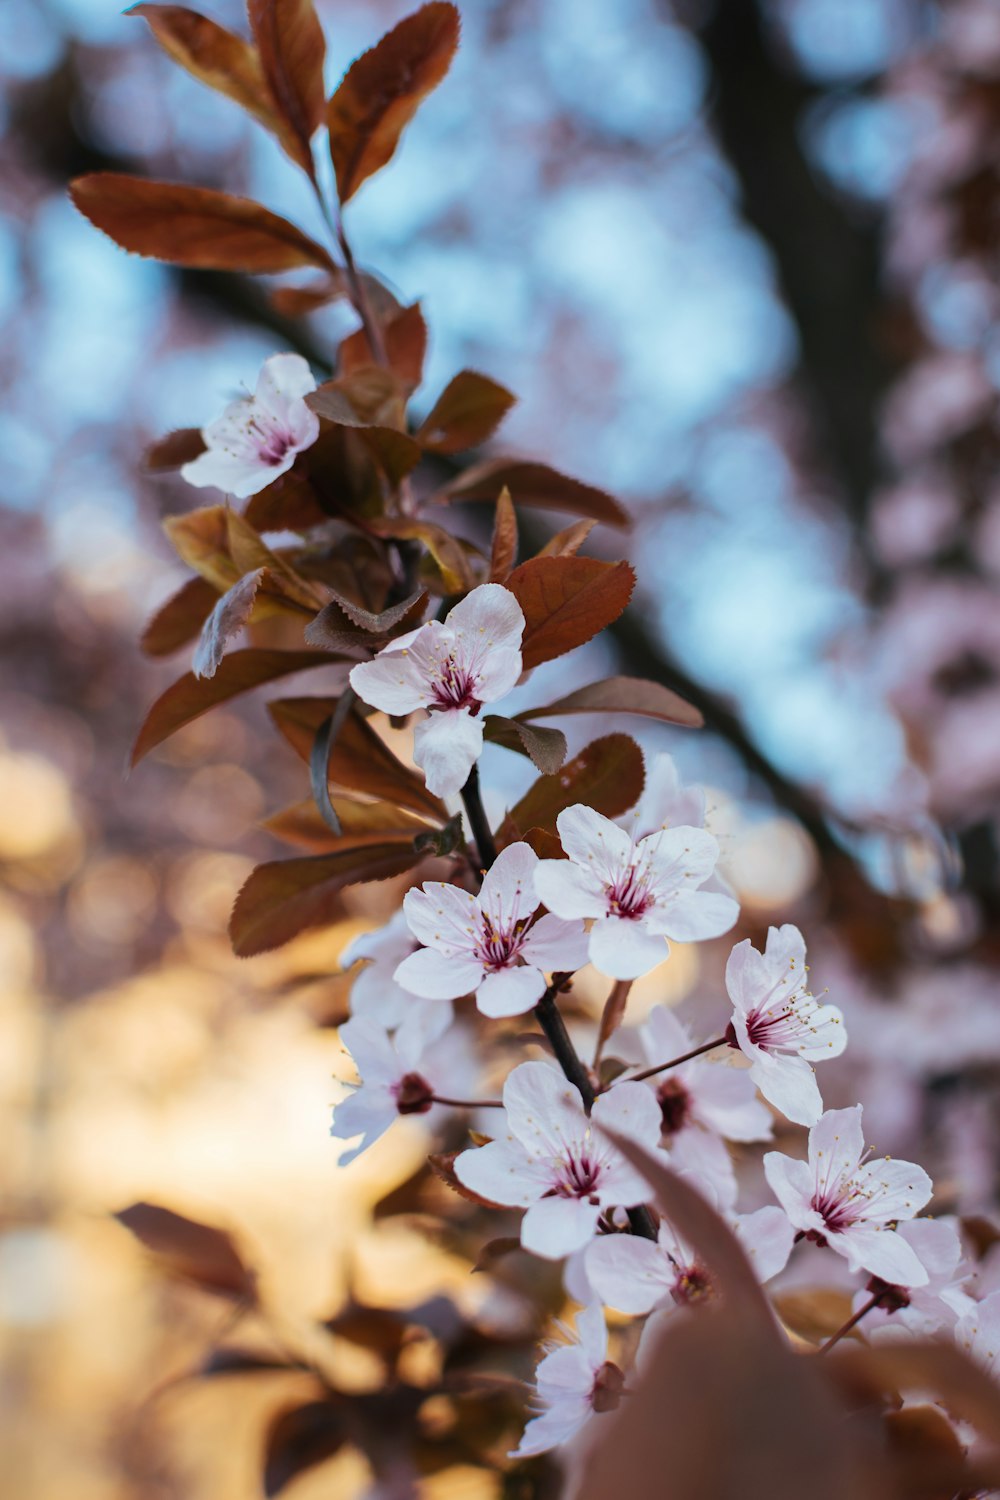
point(554, 1163)
point(635, 1275)
point(779, 1025)
point(256, 438)
point(400, 1074)
point(374, 992)
point(489, 943)
point(451, 669)
point(702, 1104)
point(978, 1332)
point(639, 893)
point(842, 1199)
point(925, 1310)
point(573, 1381)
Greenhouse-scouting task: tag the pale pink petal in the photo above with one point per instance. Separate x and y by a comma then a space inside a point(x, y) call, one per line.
point(434, 976)
point(421, 1029)
point(791, 1182)
point(501, 1173)
point(664, 1035)
point(498, 675)
point(681, 854)
point(747, 977)
point(785, 950)
point(882, 1252)
point(508, 891)
point(592, 1333)
point(827, 1035)
point(665, 803)
point(836, 1144)
point(725, 1099)
point(371, 1049)
point(628, 1273)
point(489, 617)
point(446, 745)
point(364, 1114)
point(789, 1083)
point(569, 891)
point(544, 1111)
point(283, 378)
point(767, 1237)
point(704, 1157)
point(622, 948)
point(554, 1227)
point(557, 946)
point(592, 840)
point(552, 1429)
point(631, 1110)
point(510, 992)
point(695, 916)
point(937, 1243)
point(391, 682)
point(444, 917)
point(894, 1189)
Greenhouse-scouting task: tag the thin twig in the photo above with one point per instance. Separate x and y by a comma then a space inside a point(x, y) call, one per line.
point(479, 827)
point(467, 1103)
point(675, 1062)
point(852, 1322)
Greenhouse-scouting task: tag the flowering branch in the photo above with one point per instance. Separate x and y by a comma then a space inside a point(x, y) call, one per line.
point(479, 826)
point(675, 1062)
point(852, 1322)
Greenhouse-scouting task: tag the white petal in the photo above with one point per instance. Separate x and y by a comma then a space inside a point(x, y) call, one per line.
point(283, 377)
point(508, 891)
point(622, 948)
point(725, 1100)
point(363, 1114)
point(747, 978)
point(501, 1173)
point(498, 674)
point(444, 917)
point(491, 614)
point(544, 1111)
point(569, 891)
point(792, 1184)
point(704, 1157)
point(836, 1144)
point(446, 745)
point(434, 976)
point(510, 992)
point(789, 1083)
point(590, 839)
point(695, 916)
point(554, 1227)
point(555, 945)
point(665, 803)
point(893, 1189)
point(628, 1273)
point(664, 1035)
point(553, 1428)
point(233, 474)
point(882, 1252)
point(391, 682)
point(786, 949)
point(767, 1236)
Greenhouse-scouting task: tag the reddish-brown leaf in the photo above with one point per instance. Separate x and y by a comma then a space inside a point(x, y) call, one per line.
point(301, 1437)
point(448, 553)
point(404, 335)
point(467, 412)
point(534, 485)
point(566, 601)
point(302, 824)
point(381, 91)
point(179, 620)
point(406, 613)
point(623, 695)
point(608, 775)
point(292, 48)
point(229, 616)
point(296, 301)
point(567, 543)
point(546, 750)
point(248, 551)
point(359, 761)
point(201, 539)
point(196, 1252)
point(174, 449)
point(191, 696)
point(503, 549)
point(211, 54)
point(290, 896)
point(191, 226)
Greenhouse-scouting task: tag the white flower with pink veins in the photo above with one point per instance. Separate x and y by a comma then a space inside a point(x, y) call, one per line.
point(841, 1198)
point(374, 992)
point(257, 438)
point(638, 893)
point(451, 669)
point(702, 1105)
point(779, 1025)
point(555, 1163)
point(490, 943)
point(573, 1381)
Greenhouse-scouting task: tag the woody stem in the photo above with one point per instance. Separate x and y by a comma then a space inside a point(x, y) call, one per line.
point(852, 1322)
point(675, 1062)
point(467, 1103)
point(479, 827)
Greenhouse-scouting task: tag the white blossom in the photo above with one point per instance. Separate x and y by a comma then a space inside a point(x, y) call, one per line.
point(978, 1332)
point(374, 992)
point(779, 1025)
point(638, 893)
point(554, 1163)
point(490, 943)
point(928, 1309)
point(572, 1381)
point(257, 437)
point(450, 669)
point(841, 1198)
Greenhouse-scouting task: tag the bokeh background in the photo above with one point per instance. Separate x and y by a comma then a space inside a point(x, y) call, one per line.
point(739, 261)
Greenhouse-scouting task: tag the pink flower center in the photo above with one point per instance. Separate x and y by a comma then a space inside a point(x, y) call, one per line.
point(840, 1206)
point(693, 1284)
point(629, 894)
point(775, 1030)
point(578, 1178)
point(272, 443)
point(414, 1095)
point(675, 1105)
point(497, 947)
point(608, 1387)
point(453, 688)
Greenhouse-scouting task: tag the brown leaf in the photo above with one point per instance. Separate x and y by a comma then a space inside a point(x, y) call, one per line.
point(443, 1165)
point(296, 301)
point(381, 91)
point(813, 1313)
point(535, 485)
point(290, 896)
point(213, 55)
point(449, 554)
point(613, 1013)
point(568, 542)
point(407, 612)
point(360, 761)
point(191, 226)
point(179, 620)
point(934, 1366)
point(404, 335)
point(179, 447)
point(495, 1250)
point(623, 695)
point(503, 549)
point(193, 1251)
point(201, 539)
point(608, 775)
point(302, 824)
point(546, 750)
point(228, 617)
point(368, 396)
point(301, 1437)
point(467, 412)
point(292, 48)
point(567, 601)
point(248, 551)
point(191, 696)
